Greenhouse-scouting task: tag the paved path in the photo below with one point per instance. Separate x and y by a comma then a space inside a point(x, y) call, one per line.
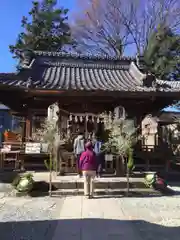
point(77, 218)
point(119, 218)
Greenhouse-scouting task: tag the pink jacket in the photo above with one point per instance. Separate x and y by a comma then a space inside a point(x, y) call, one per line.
point(88, 161)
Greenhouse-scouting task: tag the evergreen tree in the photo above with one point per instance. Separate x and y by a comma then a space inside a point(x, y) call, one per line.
point(162, 54)
point(45, 29)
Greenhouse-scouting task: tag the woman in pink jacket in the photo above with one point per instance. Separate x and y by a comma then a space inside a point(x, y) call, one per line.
point(88, 165)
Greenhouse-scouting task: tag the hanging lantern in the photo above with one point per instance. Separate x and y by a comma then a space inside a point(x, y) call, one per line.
point(70, 118)
point(120, 113)
point(81, 119)
point(76, 119)
point(95, 119)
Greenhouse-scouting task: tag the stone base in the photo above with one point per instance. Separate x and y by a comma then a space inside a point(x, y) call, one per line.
point(108, 192)
point(100, 183)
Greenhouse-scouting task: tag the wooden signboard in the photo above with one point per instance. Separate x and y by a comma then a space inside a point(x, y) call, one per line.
point(32, 148)
point(108, 157)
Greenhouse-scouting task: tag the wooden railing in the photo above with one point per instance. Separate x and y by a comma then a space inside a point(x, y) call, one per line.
point(152, 157)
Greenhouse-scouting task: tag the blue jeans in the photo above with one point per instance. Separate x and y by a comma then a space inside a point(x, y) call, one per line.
point(100, 165)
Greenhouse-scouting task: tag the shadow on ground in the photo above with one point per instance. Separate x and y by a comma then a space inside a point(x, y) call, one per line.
point(8, 176)
point(42, 189)
point(133, 194)
point(87, 229)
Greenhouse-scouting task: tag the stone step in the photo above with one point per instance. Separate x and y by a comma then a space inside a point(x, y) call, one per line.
point(99, 184)
point(136, 192)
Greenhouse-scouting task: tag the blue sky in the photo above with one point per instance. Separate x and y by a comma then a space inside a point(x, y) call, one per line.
point(11, 12)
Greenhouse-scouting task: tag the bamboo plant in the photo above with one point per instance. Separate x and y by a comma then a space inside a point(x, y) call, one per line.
point(122, 137)
point(48, 133)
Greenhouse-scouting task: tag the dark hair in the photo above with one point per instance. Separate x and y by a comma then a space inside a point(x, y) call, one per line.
point(89, 145)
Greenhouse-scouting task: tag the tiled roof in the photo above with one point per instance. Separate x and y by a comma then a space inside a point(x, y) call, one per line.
point(76, 72)
point(88, 77)
point(7, 76)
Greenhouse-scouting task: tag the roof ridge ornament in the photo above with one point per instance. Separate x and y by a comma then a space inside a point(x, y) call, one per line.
point(29, 82)
point(147, 79)
point(136, 73)
point(27, 58)
point(137, 60)
point(140, 61)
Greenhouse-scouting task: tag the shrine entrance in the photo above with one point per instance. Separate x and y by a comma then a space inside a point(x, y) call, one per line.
point(90, 125)
point(83, 87)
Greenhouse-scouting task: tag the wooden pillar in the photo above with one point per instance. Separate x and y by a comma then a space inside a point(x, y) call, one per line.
point(138, 125)
point(24, 129)
point(28, 126)
point(161, 134)
point(60, 124)
point(138, 146)
point(23, 141)
point(63, 123)
point(85, 126)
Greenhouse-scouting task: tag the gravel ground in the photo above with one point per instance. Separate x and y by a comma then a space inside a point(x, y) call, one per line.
point(28, 218)
point(153, 218)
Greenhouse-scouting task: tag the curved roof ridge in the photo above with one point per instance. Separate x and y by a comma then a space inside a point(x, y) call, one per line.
point(83, 56)
point(78, 64)
point(8, 76)
point(136, 73)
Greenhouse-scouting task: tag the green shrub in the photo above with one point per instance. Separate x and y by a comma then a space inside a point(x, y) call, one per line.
point(149, 180)
point(50, 164)
point(28, 176)
point(23, 183)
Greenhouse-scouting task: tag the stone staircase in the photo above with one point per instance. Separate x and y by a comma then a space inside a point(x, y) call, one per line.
point(72, 185)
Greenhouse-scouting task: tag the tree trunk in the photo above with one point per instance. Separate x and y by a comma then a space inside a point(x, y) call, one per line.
point(127, 176)
point(57, 151)
point(119, 166)
point(50, 175)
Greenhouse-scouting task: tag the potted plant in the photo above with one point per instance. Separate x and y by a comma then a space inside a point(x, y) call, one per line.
point(23, 183)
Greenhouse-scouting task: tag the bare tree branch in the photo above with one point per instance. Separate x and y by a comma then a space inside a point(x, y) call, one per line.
point(110, 26)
